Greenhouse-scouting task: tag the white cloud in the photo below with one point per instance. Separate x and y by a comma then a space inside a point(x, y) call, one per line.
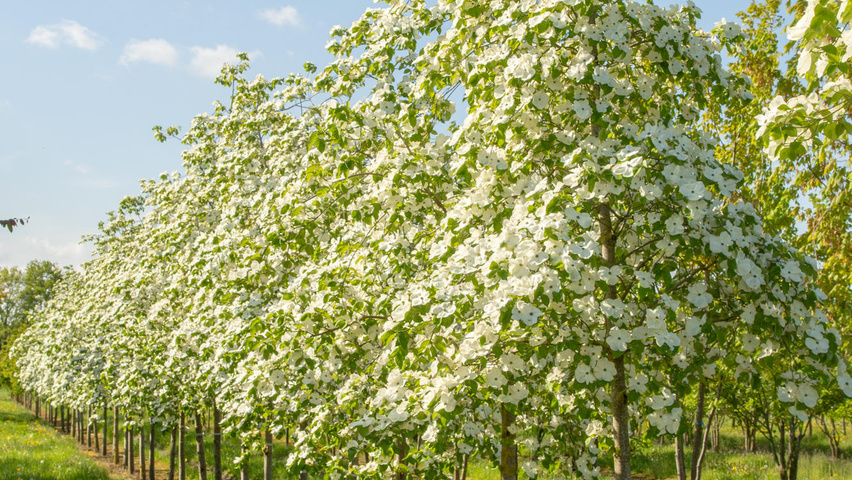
point(18, 249)
point(66, 32)
point(282, 16)
point(208, 61)
point(155, 50)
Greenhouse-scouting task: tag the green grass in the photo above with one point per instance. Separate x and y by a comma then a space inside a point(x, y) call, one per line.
point(30, 450)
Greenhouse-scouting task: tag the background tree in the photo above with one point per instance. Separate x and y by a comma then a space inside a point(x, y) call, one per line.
point(805, 130)
point(22, 294)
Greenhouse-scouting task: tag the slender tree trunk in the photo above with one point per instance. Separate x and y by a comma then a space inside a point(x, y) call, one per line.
point(89, 428)
point(131, 458)
point(711, 423)
point(217, 443)
point(698, 439)
point(456, 463)
point(115, 436)
point(106, 424)
point(464, 467)
point(303, 475)
point(151, 451)
point(267, 455)
point(402, 452)
point(199, 446)
point(182, 448)
point(244, 473)
point(680, 462)
point(618, 395)
point(835, 446)
point(142, 467)
point(795, 450)
point(172, 453)
point(97, 440)
point(509, 450)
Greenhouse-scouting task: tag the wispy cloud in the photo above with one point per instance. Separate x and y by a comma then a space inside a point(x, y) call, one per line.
point(155, 50)
point(284, 16)
point(208, 61)
point(82, 169)
point(66, 32)
point(88, 177)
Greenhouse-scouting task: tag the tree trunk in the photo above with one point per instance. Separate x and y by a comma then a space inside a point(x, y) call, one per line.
point(172, 453)
point(131, 457)
point(182, 448)
point(456, 462)
point(711, 421)
point(618, 395)
point(142, 467)
point(104, 445)
point(698, 439)
point(217, 443)
point(303, 475)
point(97, 440)
point(509, 450)
point(151, 450)
point(402, 452)
point(115, 436)
point(244, 473)
point(89, 428)
point(464, 467)
point(715, 436)
point(199, 446)
point(267, 455)
point(680, 462)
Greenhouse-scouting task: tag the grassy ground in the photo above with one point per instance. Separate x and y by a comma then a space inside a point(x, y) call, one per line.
point(30, 450)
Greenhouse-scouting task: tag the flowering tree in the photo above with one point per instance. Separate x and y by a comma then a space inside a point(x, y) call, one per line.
point(403, 285)
point(806, 133)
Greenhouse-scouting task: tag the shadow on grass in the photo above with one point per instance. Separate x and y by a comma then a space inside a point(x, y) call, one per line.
point(16, 417)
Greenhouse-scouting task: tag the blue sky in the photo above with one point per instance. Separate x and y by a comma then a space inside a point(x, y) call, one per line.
point(86, 81)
